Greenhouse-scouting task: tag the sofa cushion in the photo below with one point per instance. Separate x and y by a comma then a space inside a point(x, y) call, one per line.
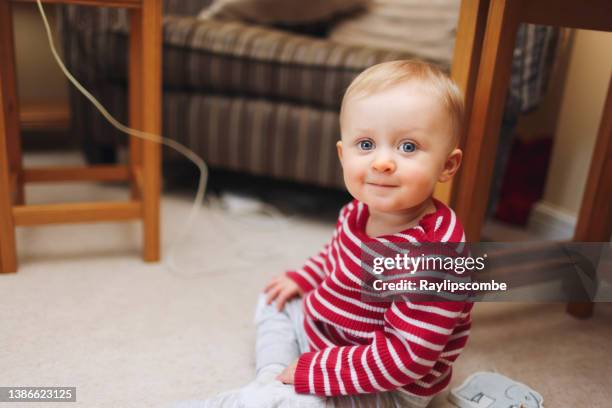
point(421, 27)
point(280, 11)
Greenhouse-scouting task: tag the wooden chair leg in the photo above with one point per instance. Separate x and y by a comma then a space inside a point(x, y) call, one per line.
point(474, 179)
point(135, 102)
point(9, 129)
point(8, 248)
point(14, 140)
point(16, 166)
point(150, 109)
point(595, 217)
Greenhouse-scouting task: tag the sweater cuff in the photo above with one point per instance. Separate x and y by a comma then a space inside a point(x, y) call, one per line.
point(300, 280)
point(301, 377)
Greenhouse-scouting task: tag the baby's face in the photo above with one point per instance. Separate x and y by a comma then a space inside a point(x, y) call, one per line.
point(396, 145)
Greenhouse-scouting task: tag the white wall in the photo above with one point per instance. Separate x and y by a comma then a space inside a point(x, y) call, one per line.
point(39, 79)
point(580, 110)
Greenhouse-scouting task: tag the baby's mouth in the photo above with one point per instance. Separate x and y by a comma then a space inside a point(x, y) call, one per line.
point(381, 185)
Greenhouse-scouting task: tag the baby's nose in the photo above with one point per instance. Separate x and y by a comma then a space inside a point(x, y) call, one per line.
point(384, 164)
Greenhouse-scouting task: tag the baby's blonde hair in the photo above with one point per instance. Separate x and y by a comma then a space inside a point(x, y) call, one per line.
point(381, 77)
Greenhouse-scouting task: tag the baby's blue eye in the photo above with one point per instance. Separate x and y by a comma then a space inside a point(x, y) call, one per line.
point(366, 145)
point(408, 147)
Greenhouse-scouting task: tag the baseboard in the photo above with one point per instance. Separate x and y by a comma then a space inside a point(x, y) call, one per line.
point(551, 222)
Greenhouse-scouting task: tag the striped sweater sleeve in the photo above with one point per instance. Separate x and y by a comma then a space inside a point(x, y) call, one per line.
point(312, 274)
point(402, 352)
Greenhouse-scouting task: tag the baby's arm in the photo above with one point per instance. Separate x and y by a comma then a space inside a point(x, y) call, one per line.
point(402, 352)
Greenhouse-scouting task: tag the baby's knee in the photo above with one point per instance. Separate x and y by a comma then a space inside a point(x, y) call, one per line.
point(262, 308)
point(261, 299)
point(292, 308)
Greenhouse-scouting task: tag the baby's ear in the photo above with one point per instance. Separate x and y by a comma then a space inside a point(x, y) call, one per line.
point(451, 165)
point(339, 147)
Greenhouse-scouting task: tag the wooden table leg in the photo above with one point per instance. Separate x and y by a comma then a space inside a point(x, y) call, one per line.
point(150, 108)
point(595, 217)
point(464, 71)
point(474, 179)
point(9, 129)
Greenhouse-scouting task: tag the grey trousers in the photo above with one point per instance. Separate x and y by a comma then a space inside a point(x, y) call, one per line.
point(281, 340)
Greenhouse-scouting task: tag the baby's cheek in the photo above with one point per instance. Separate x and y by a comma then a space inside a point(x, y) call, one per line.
point(355, 172)
point(419, 179)
point(354, 178)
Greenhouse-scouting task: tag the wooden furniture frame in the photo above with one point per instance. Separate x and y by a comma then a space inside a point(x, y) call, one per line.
point(481, 66)
point(142, 172)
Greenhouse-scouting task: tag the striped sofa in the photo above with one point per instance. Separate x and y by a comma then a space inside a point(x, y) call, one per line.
point(246, 98)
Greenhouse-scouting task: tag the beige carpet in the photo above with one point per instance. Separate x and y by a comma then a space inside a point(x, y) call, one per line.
point(84, 311)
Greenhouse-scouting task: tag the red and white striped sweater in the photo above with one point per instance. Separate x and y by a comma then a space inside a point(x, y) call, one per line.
point(364, 347)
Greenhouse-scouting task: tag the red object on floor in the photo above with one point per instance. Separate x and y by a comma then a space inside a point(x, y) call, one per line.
point(524, 181)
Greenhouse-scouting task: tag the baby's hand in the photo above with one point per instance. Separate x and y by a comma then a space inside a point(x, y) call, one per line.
point(287, 376)
point(282, 288)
